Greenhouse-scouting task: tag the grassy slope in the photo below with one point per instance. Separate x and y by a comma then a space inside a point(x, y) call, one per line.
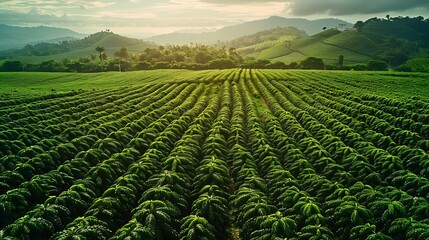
point(401, 85)
point(326, 47)
point(42, 83)
point(354, 42)
point(266, 44)
point(356, 47)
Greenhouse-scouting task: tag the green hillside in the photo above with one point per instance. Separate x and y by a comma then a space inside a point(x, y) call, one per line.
point(392, 29)
point(393, 40)
point(327, 45)
point(264, 45)
point(76, 49)
point(355, 42)
point(418, 64)
point(263, 40)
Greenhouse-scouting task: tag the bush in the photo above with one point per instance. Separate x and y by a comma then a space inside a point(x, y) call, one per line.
point(277, 65)
point(312, 63)
point(12, 66)
point(359, 67)
point(404, 68)
point(221, 63)
point(142, 65)
point(376, 65)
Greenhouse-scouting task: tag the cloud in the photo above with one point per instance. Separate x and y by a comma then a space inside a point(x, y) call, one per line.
point(26, 5)
point(149, 17)
point(336, 7)
point(346, 7)
point(241, 1)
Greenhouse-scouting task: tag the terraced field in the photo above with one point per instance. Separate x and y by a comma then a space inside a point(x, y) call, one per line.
point(224, 154)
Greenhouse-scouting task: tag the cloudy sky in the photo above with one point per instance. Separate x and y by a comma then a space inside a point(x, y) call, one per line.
point(143, 18)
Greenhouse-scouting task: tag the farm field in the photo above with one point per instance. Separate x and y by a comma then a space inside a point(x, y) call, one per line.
point(219, 154)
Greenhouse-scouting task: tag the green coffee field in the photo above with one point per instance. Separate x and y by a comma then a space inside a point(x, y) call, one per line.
point(223, 154)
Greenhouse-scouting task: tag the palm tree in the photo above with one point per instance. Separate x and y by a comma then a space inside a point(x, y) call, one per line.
point(100, 51)
point(122, 54)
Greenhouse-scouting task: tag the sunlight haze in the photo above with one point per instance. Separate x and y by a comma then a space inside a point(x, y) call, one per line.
point(144, 18)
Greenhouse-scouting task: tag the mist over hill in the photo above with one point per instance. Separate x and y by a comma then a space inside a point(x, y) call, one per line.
point(231, 32)
point(74, 49)
point(18, 37)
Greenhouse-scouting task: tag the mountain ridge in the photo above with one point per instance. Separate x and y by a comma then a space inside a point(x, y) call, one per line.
point(17, 37)
point(235, 31)
point(75, 49)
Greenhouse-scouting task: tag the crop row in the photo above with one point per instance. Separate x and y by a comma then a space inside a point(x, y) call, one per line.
point(233, 154)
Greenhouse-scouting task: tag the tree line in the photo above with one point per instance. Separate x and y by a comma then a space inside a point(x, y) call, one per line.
point(192, 57)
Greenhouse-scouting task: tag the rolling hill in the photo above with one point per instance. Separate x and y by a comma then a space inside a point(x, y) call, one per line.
point(18, 37)
point(262, 40)
point(356, 47)
point(393, 40)
point(397, 29)
point(418, 64)
point(229, 33)
point(327, 45)
point(78, 48)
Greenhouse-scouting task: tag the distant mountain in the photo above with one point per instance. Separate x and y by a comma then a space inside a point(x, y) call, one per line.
point(228, 33)
point(17, 37)
point(76, 49)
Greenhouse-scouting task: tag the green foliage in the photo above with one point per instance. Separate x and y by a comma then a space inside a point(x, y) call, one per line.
point(409, 28)
point(219, 154)
point(415, 65)
point(12, 66)
point(375, 65)
point(312, 63)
